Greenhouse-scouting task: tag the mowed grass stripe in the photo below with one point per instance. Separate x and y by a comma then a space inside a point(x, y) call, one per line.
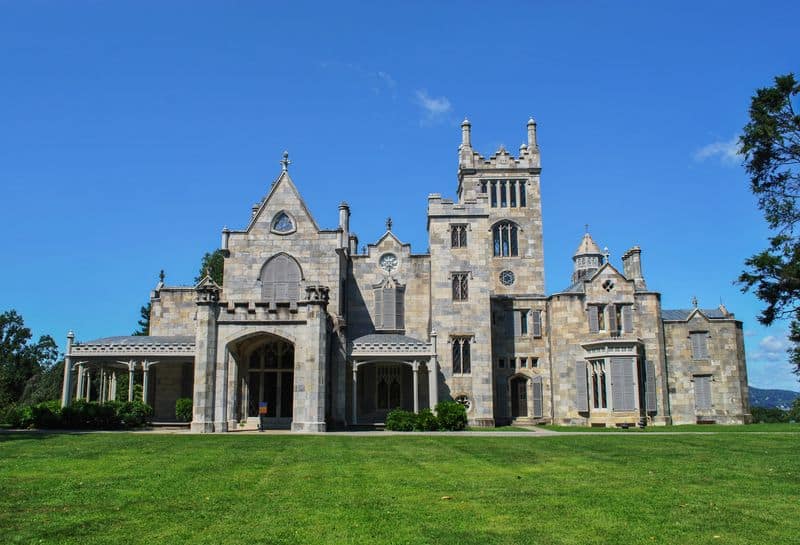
point(138, 488)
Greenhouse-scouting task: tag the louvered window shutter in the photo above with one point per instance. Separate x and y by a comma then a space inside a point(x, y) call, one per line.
point(537, 397)
point(650, 386)
point(699, 345)
point(622, 393)
point(400, 309)
point(537, 323)
point(378, 307)
point(703, 345)
point(292, 280)
point(594, 325)
point(581, 387)
point(627, 319)
point(389, 308)
point(518, 317)
point(702, 393)
point(612, 317)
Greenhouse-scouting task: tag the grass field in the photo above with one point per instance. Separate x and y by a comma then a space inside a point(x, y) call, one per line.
point(109, 488)
point(694, 428)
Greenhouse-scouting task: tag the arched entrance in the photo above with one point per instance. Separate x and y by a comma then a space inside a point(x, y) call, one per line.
point(519, 397)
point(268, 380)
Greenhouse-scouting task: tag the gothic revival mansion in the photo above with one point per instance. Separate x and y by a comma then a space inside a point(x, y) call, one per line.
point(322, 336)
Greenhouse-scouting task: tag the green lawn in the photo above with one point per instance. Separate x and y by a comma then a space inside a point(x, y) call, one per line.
point(258, 489)
point(705, 428)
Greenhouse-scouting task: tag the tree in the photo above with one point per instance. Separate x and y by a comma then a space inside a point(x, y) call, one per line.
point(20, 359)
point(144, 320)
point(771, 149)
point(212, 263)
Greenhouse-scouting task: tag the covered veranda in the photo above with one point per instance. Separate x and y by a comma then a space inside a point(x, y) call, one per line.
point(391, 371)
point(157, 369)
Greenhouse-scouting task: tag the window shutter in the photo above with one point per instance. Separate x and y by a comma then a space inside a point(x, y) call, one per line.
point(702, 393)
point(378, 307)
point(400, 309)
point(537, 323)
point(594, 326)
point(389, 310)
point(695, 345)
point(699, 345)
point(537, 397)
point(518, 317)
point(612, 317)
point(650, 386)
point(581, 387)
point(703, 345)
point(627, 318)
point(622, 394)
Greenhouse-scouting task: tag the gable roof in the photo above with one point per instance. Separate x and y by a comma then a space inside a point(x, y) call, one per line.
point(282, 179)
point(683, 315)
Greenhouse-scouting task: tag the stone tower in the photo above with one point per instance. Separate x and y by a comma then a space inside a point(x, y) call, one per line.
point(587, 259)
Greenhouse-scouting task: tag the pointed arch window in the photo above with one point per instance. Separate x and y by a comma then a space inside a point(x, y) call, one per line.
point(505, 239)
point(280, 280)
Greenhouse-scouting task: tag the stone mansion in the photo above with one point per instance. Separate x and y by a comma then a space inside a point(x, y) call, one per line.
point(321, 336)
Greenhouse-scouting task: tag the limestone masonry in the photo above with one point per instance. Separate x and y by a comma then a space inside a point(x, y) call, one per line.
point(308, 333)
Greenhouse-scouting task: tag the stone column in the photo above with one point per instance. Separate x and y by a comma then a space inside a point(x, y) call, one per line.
point(205, 363)
point(145, 374)
point(355, 394)
point(88, 384)
point(311, 364)
point(112, 394)
point(233, 391)
point(131, 370)
point(415, 370)
point(103, 388)
point(81, 380)
point(221, 391)
point(433, 374)
point(66, 390)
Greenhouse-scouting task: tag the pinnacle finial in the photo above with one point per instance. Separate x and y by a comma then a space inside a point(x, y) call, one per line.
point(285, 162)
point(531, 121)
point(586, 226)
point(389, 223)
point(162, 276)
point(606, 253)
point(694, 301)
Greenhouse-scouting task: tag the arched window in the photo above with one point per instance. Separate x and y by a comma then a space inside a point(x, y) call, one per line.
point(282, 224)
point(280, 280)
point(505, 239)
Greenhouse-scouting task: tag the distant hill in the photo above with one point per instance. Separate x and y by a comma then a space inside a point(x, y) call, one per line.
point(781, 399)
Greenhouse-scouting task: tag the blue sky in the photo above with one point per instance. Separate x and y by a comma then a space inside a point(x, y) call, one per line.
point(133, 132)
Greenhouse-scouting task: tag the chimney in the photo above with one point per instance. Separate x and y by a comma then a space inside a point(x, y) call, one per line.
point(344, 224)
point(632, 267)
point(466, 141)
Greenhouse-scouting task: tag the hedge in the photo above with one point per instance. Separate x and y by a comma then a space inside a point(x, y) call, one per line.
point(80, 414)
point(450, 416)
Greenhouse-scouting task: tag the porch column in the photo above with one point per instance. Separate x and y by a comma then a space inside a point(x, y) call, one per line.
point(415, 369)
point(101, 387)
point(146, 371)
point(81, 378)
point(131, 370)
point(112, 395)
point(66, 390)
point(355, 394)
point(88, 384)
point(433, 379)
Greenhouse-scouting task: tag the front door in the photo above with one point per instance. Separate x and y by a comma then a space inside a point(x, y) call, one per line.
point(270, 380)
point(519, 397)
point(389, 387)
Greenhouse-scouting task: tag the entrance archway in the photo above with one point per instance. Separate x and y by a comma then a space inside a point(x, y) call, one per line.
point(268, 380)
point(519, 397)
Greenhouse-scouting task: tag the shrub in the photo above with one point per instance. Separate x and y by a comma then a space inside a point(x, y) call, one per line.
point(400, 420)
point(16, 416)
point(183, 409)
point(764, 415)
point(452, 416)
point(46, 414)
point(134, 413)
point(426, 421)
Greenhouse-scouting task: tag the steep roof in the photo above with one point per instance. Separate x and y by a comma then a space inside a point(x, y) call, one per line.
point(683, 314)
point(587, 247)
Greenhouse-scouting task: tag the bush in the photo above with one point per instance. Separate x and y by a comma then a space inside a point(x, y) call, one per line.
point(16, 416)
point(451, 416)
point(46, 414)
point(79, 415)
point(183, 409)
point(400, 420)
point(764, 415)
point(426, 421)
point(134, 413)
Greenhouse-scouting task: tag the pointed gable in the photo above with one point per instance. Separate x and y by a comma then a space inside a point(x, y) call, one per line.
point(283, 205)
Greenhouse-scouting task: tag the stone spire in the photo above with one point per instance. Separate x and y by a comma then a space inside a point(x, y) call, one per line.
point(587, 258)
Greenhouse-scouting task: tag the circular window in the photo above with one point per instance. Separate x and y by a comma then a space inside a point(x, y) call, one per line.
point(463, 399)
point(507, 278)
point(388, 262)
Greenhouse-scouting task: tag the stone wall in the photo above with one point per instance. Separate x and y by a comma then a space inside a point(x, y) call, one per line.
point(173, 311)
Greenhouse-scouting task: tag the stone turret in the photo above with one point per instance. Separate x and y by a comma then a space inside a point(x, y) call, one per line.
point(587, 258)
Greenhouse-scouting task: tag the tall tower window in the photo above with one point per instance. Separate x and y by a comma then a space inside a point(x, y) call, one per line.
point(458, 236)
point(504, 239)
point(461, 355)
point(460, 286)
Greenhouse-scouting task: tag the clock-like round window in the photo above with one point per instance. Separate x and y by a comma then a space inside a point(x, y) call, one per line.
point(507, 278)
point(388, 262)
point(463, 399)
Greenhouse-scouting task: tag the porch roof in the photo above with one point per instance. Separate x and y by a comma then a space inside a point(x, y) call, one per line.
point(389, 344)
point(132, 345)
